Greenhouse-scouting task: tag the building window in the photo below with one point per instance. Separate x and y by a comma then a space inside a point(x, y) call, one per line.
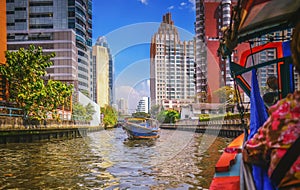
point(41, 3)
point(20, 20)
point(44, 26)
point(20, 9)
point(38, 15)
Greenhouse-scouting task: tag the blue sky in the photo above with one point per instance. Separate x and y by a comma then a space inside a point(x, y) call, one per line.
point(128, 26)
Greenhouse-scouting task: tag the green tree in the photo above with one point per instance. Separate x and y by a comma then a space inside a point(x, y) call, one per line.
point(23, 71)
point(83, 113)
point(78, 112)
point(90, 110)
point(141, 114)
point(168, 116)
point(226, 94)
point(110, 116)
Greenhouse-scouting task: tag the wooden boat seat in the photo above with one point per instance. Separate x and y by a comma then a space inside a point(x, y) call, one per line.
point(224, 183)
point(225, 162)
point(228, 158)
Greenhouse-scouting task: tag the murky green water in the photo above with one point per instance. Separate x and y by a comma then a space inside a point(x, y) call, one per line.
point(106, 160)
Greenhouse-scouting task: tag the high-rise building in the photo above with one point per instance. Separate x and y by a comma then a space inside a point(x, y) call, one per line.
point(122, 106)
point(212, 71)
point(172, 65)
point(101, 41)
point(102, 73)
point(143, 105)
point(60, 26)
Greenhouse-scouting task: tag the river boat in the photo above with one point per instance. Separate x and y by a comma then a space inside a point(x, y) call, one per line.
point(252, 19)
point(141, 128)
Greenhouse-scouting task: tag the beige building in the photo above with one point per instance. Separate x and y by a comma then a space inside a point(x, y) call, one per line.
point(63, 44)
point(60, 26)
point(101, 75)
point(172, 67)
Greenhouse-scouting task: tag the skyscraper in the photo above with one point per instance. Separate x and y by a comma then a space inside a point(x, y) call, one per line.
point(212, 71)
point(172, 65)
point(60, 26)
point(122, 106)
point(102, 73)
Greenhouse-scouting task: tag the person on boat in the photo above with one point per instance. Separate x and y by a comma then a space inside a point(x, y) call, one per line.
point(274, 140)
point(272, 82)
point(270, 98)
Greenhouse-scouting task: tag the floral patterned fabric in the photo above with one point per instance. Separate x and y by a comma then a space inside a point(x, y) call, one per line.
point(273, 139)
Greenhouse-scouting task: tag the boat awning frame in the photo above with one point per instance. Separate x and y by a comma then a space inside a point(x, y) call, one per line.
point(254, 18)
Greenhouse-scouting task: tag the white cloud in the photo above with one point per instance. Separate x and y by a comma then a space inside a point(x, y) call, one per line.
point(145, 2)
point(171, 7)
point(183, 4)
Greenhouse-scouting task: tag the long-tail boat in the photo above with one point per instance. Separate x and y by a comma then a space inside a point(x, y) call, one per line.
point(251, 20)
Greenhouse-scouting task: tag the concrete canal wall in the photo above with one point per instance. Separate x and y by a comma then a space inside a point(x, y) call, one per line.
point(25, 135)
point(34, 135)
point(15, 130)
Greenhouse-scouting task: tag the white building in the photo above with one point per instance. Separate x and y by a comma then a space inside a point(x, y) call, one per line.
point(143, 105)
point(172, 67)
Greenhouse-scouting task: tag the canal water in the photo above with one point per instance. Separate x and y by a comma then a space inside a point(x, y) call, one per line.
point(107, 160)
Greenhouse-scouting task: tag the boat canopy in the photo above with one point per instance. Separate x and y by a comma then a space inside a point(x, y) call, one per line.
point(251, 19)
point(254, 18)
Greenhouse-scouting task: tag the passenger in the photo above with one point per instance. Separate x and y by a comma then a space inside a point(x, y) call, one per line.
point(277, 135)
point(272, 82)
point(270, 98)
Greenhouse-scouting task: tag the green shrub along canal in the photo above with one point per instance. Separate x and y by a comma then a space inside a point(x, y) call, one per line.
point(107, 160)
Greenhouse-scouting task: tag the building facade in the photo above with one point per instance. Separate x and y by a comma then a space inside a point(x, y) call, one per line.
point(212, 72)
point(101, 41)
point(60, 26)
point(143, 105)
point(172, 65)
point(122, 105)
point(102, 76)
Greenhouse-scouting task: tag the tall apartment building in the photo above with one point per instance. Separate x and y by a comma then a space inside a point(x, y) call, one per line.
point(143, 105)
point(172, 65)
point(101, 41)
point(122, 106)
point(60, 26)
point(102, 76)
point(212, 71)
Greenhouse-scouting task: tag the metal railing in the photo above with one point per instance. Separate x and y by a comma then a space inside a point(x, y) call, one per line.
point(10, 111)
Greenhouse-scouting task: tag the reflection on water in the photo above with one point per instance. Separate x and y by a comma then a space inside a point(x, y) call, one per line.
point(107, 160)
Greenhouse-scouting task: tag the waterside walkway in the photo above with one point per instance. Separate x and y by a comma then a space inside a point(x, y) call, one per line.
point(226, 128)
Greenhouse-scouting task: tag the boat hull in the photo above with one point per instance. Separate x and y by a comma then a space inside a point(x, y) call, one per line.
point(137, 131)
